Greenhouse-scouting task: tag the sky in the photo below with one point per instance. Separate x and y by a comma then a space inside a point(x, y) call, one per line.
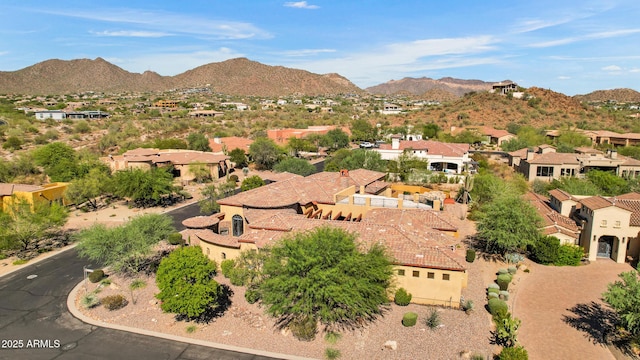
point(572, 47)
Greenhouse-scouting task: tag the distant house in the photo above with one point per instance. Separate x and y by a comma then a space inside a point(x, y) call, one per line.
point(281, 136)
point(544, 163)
point(205, 113)
point(57, 115)
point(553, 222)
point(92, 114)
point(142, 158)
point(166, 103)
point(390, 109)
point(448, 157)
point(32, 194)
point(504, 87)
point(224, 145)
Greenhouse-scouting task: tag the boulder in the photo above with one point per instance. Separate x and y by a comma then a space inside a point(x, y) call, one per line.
point(391, 344)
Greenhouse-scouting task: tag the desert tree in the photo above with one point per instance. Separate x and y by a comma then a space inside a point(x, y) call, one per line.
point(623, 296)
point(24, 223)
point(295, 166)
point(265, 153)
point(251, 182)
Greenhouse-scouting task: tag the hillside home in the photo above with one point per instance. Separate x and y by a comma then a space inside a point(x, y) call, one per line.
point(610, 225)
point(603, 137)
point(205, 113)
point(166, 103)
point(504, 87)
point(181, 161)
point(225, 145)
point(32, 194)
point(554, 223)
point(390, 109)
point(281, 136)
point(544, 163)
point(447, 157)
point(91, 114)
point(423, 243)
point(57, 115)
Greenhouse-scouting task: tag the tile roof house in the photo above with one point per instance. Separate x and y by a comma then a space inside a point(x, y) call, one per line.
point(544, 163)
point(32, 194)
point(224, 145)
point(448, 157)
point(554, 223)
point(422, 242)
point(181, 160)
point(610, 225)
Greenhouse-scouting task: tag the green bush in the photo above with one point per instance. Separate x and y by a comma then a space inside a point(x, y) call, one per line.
point(433, 321)
point(402, 297)
point(331, 353)
point(471, 255)
point(467, 306)
point(493, 295)
point(497, 306)
point(233, 178)
point(226, 267)
point(493, 290)
point(545, 250)
point(252, 295)
point(409, 319)
point(238, 276)
point(504, 295)
point(502, 271)
point(569, 255)
point(503, 281)
point(513, 353)
point(304, 328)
point(89, 301)
point(114, 302)
point(96, 275)
point(175, 239)
point(494, 286)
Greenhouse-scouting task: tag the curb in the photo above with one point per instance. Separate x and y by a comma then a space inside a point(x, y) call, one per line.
point(42, 257)
point(71, 305)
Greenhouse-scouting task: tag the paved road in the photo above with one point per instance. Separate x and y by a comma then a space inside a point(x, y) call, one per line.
point(35, 309)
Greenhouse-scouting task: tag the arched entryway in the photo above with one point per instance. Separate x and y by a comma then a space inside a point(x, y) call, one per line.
point(605, 246)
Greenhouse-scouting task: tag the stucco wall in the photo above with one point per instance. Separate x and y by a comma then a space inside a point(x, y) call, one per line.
point(429, 291)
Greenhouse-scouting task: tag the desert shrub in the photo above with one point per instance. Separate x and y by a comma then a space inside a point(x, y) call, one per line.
point(233, 178)
point(514, 258)
point(96, 275)
point(191, 329)
point(494, 286)
point(226, 267)
point(545, 250)
point(512, 270)
point(503, 281)
point(527, 270)
point(331, 353)
point(89, 301)
point(502, 271)
point(477, 357)
point(569, 255)
point(493, 291)
point(513, 353)
point(332, 337)
point(497, 306)
point(238, 276)
point(114, 302)
point(304, 328)
point(471, 255)
point(467, 306)
point(409, 319)
point(493, 295)
point(175, 239)
point(433, 321)
point(252, 295)
point(504, 295)
point(402, 297)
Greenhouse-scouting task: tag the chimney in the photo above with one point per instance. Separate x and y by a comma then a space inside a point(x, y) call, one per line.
point(395, 143)
point(530, 154)
point(613, 154)
point(217, 140)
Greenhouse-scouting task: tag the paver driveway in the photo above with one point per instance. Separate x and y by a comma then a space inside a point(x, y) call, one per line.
point(563, 316)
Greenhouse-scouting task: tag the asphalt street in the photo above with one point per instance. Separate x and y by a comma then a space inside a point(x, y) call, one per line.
point(36, 324)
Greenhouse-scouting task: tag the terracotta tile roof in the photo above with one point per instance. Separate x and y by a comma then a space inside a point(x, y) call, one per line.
point(253, 215)
point(432, 147)
point(201, 222)
point(278, 176)
point(486, 130)
point(409, 219)
point(216, 239)
point(560, 194)
point(632, 205)
point(319, 187)
point(554, 158)
point(229, 143)
point(596, 202)
point(376, 186)
point(628, 161)
point(522, 153)
point(188, 157)
point(141, 152)
point(629, 196)
point(430, 250)
point(552, 220)
point(365, 177)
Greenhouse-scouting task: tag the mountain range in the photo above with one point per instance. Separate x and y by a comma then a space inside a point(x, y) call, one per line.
point(242, 77)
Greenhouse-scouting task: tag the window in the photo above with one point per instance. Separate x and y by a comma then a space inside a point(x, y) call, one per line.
point(544, 171)
point(208, 251)
point(400, 272)
point(567, 172)
point(237, 224)
point(431, 275)
point(416, 273)
point(445, 277)
point(224, 256)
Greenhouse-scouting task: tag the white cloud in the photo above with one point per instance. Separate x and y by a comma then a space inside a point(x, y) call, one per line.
point(405, 59)
point(598, 35)
point(537, 24)
point(174, 62)
point(634, 70)
point(131, 33)
point(562, 77)
point(612, 68)
point(164, 22)
point(301, 5)
point(306, 52)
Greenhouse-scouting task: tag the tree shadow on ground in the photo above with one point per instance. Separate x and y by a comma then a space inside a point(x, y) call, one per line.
point(479, 246)
point(598, 323)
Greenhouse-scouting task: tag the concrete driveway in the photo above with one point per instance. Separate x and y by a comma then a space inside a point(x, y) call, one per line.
point(563, 316)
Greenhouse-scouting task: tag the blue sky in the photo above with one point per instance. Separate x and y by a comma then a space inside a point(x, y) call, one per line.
point(573, 47)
